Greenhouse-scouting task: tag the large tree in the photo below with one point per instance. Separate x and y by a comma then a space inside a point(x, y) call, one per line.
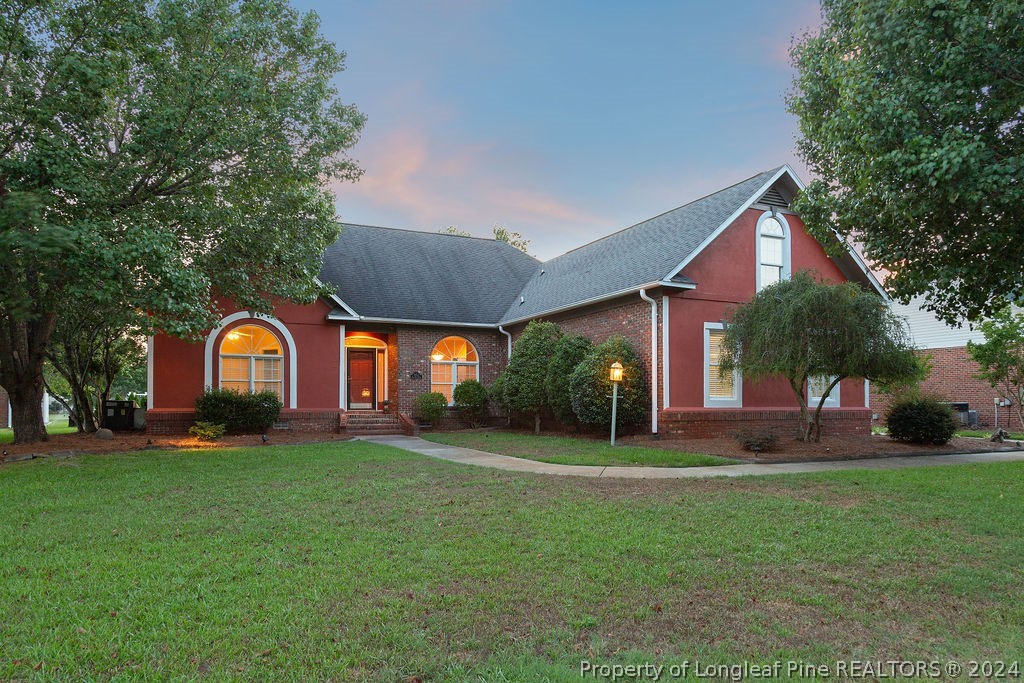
point(911, 120)
point(803, 328)
point(1001, 356)
point(155, 156)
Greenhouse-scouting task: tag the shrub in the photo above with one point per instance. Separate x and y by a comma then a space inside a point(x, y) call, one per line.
point(569, 352)
point(496, 394)
point(207, 431)
point(758, 441)
point(239, 413)
point(921, 420)
point(590, 386)
point(430, 407)
point(527, 369)
point(471, 400)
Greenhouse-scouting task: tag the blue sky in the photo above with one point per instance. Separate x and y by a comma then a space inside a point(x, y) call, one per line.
point(563, 120)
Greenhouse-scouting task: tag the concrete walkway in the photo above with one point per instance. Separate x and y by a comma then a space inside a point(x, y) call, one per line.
point(469, 456)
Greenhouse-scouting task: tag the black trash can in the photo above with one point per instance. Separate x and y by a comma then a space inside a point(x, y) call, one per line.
point(119, 415)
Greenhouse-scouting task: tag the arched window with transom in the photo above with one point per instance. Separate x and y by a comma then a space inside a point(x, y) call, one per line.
point(252, 360)
point(773, 250)
point(453, 360)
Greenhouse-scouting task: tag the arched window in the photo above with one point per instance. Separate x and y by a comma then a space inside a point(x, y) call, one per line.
point(772, 250)
point(453, 360)
point(251, 360)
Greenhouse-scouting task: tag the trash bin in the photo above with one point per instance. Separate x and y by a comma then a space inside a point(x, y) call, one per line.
point(119, 415)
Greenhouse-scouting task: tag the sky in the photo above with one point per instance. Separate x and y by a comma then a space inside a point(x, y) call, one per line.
point(563, 120)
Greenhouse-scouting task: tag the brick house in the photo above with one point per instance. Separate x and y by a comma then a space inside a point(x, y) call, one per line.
point(415, 312)
point(953, 374)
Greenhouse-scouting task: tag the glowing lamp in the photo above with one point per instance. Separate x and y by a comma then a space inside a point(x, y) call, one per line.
point(615, 372)
point(437, 356)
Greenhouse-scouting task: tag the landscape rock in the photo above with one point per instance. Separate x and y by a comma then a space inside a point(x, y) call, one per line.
point(104, 434)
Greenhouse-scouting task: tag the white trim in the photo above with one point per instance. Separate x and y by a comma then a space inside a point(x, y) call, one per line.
point(735, 214)
point(335, 298)
point(654, 359)
point(787, 247)
point(833, 400)
point(598, 299)
point(149, 373)
point(867, 393)
point(508, 354)
point(293, 375)
point(444, 323)
point(665, 354)
point(343, 369)
point(737, 378)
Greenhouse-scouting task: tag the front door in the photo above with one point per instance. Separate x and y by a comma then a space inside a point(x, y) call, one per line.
point(362, 378)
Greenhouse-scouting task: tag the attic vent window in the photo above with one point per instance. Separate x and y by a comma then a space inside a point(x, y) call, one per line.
point(774, 198)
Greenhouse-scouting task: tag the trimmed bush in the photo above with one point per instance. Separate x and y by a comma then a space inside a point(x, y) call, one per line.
point(430, 407)
point(591, 387)
point(528, 368)
point(471, 400)
point(569, 352)
point(207, 431)
point(758, 441)
point(239, 413)
point(496, 394)
point(921, 420)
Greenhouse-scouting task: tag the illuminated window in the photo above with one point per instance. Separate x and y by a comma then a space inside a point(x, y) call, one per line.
point(719, 391)
point(251, 360)
point(772, 250)
point(453, 360)
point(817, 386)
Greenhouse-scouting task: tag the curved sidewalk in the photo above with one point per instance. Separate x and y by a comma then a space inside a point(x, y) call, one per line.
point(469, 456)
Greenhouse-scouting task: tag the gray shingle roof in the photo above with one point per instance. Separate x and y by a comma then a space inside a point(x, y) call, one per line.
point(411, 275)
point(630, 258)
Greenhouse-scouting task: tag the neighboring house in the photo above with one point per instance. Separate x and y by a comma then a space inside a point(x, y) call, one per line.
point(5, 409)
point(953, 374)
point(415, 312)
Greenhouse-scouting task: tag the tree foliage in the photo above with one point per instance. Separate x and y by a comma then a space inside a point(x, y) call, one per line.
point(470, 398)
point(528, 368)
point(154, 155)
point(591, 387)
point(911, 120)
point(512, 237)
point(568, 352)
point(802, 328)
point(1001, 356)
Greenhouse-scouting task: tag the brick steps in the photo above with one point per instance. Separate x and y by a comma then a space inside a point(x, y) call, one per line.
point(359, 423)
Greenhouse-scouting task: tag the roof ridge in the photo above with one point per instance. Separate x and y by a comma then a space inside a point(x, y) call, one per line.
point(423, 232)
point(659, 215)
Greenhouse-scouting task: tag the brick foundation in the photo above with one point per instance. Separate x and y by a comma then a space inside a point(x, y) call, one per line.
point(699, 423)
point(165, 422)
point(953, 379)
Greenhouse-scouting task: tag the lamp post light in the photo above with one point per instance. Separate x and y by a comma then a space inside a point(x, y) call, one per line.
point(615, 374)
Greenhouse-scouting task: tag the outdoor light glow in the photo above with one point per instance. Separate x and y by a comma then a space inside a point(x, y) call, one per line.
point(437, 356)
point(616, 372)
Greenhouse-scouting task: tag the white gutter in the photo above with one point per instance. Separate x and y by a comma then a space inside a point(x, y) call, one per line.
point(654, 359)
point(605, 297)
point(441, 323)
point(508, 358)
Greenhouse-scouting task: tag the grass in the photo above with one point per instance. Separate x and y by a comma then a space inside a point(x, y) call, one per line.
point(7, 434)
point(987, 434)
point(355, 561)
point(570, 451)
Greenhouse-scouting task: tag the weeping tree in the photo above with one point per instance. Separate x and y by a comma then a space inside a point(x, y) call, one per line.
point(803, 328)
point(155, 156)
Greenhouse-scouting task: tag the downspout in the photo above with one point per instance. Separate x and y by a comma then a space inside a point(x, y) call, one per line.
point(654, 360)
point(508, 357)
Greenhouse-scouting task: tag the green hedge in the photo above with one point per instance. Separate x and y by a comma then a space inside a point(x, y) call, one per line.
point(591, 387)
point(921, 420)
point(430, 407)
point(471, 400)
point(239, 413)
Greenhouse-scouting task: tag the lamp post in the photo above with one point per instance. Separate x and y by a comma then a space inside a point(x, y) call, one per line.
point(615, 374)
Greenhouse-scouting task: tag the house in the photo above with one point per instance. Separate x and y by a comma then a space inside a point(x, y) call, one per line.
point(953, 375)
point(414, 312)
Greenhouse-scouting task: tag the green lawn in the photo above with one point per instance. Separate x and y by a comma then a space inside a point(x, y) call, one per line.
point(569, 451)
point(7, 435)
point(987, 434)
point(355, 561)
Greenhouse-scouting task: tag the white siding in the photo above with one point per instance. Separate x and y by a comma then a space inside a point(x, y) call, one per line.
point(928, 332)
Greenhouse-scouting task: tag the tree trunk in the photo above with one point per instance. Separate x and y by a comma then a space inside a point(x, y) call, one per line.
point(536, 423)
point(27, 409)
point(85, 416)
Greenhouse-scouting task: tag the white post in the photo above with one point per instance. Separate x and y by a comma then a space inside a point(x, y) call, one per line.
point(615, 406)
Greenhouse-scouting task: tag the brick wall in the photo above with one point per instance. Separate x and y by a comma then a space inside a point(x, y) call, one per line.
point(172, 422)
point(4, 406)
point(708, 423)
point(414, 346)
point(953, 379)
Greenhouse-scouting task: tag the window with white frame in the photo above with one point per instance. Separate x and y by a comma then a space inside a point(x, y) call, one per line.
point(816, 388)
point(452, 361)
point(251, 360)
point(773, 250)
point(719, 391)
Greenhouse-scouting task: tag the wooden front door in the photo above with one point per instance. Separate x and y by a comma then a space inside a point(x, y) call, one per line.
point(362, 378)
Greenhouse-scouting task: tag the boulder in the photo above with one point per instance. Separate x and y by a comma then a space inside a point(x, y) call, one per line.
point(104, 434)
